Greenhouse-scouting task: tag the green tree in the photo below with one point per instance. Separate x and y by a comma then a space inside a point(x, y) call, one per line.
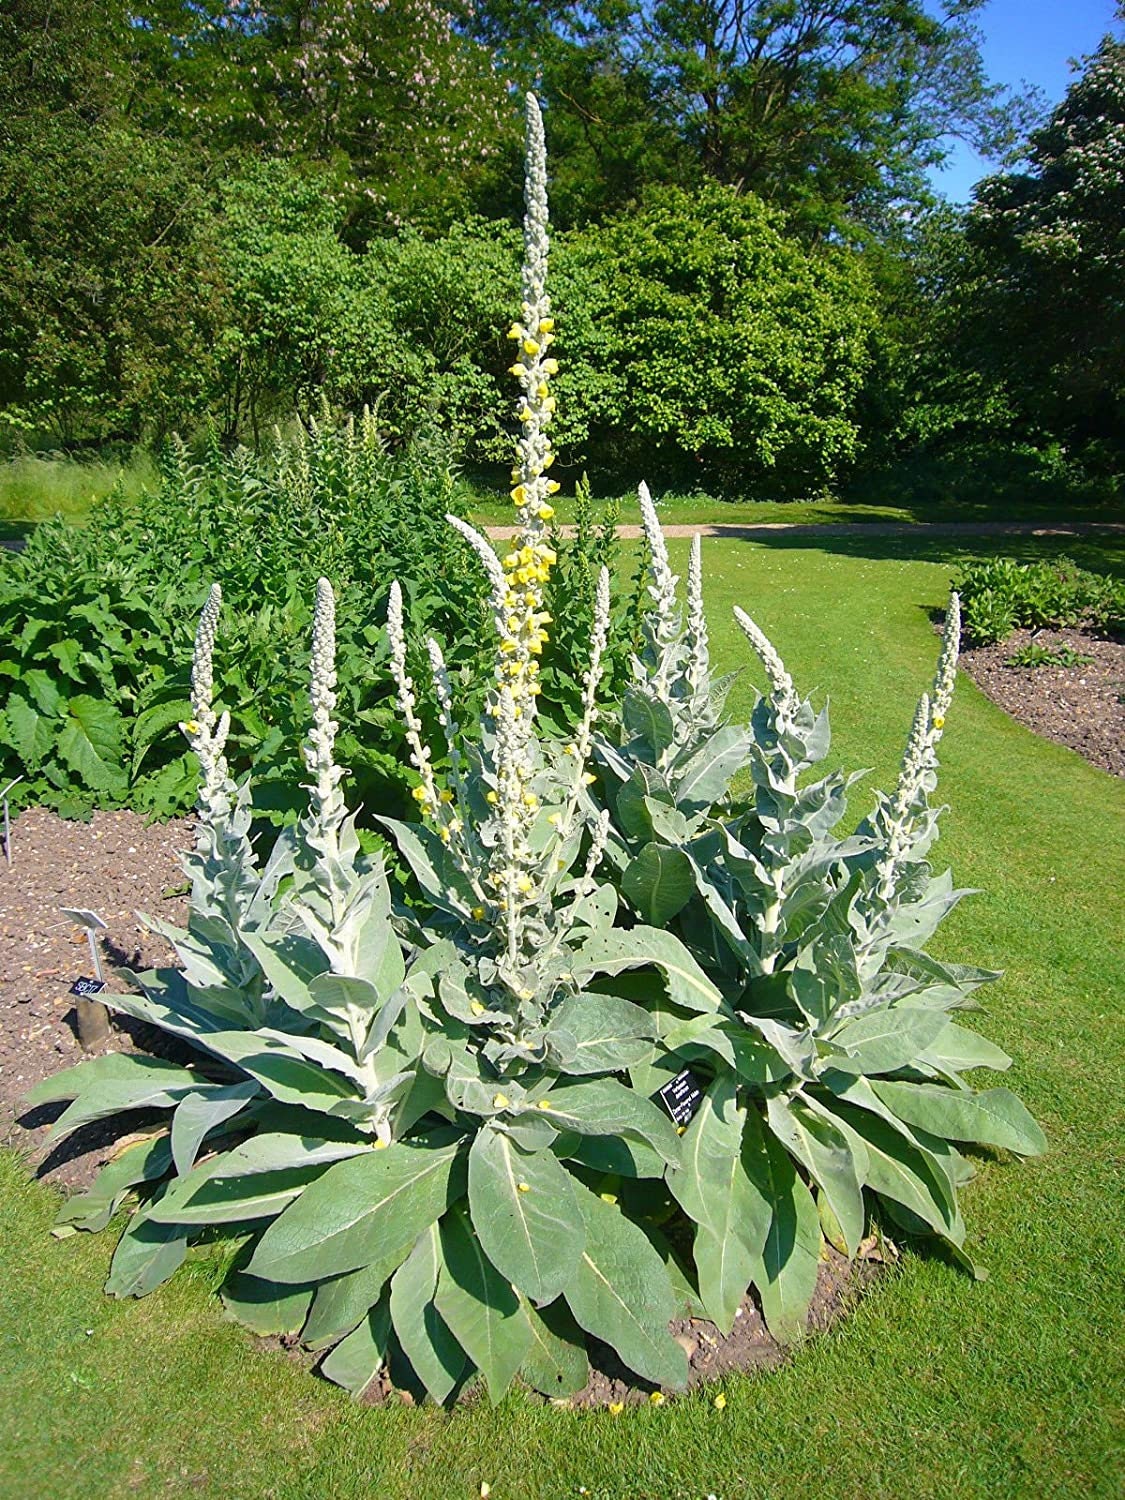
point(831, 111)
point(1046, 314)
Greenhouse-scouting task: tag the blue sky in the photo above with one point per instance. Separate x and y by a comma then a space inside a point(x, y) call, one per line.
point(1030, 41)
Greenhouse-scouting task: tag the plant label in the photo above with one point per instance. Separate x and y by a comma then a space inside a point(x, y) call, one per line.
point(681, 1098)
point(86, 988)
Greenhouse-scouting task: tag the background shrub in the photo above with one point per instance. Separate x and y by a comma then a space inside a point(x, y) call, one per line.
point(999, 596)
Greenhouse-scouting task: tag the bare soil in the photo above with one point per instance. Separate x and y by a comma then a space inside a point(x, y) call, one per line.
point(115, 865)
point(1082, 707)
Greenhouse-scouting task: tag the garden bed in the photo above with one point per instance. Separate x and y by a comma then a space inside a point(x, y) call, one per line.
point(119, 864)
point(1082, 707)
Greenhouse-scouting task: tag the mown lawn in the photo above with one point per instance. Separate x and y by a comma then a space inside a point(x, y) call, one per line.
point(935, 1386)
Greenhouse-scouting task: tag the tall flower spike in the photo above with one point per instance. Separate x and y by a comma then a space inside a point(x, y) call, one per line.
point(426, 793)
point(490, 561)
point(699, 661)
point(327, 808)
point(945, 678)
point(206, 736)
point(781, 684)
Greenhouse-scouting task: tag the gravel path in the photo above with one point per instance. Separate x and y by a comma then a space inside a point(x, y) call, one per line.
point(766, 529)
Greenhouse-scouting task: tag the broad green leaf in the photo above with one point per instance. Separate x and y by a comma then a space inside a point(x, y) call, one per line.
point(523, 1210)
point(426, 1339)
point(342, 1303)
point(143, 1161)
point(556, 1364)
point(790, 1254)
point(200, 1112)
point(658, 882)
point(602, 1106)
point(617, 1154)
point(639, 947)
point(649, 720)
point(202, 1197)
point(611, 1033)
point(885, 1041)
point(704, 779)
point(359, 1211)
point(90, 742)
point(837, 1166)
point(290, 962)
point(265, 1307)
point(29, 732)
point(146, 1255)
point(899, 1168)
point(356, 1360)
point(272, 1151)
point(622, 1295)
point(958, 1048)
point(479, 1306)
point(726, 1206)
point(992, 1118)
point(107, 1085)
point(282, 1071)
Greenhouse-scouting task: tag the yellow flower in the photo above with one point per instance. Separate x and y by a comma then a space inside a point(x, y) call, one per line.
point(476, 1007)
point(512, 560)
point(445, 795)
point(588, 778)
point(420, 794)
point(551, 366)
point(191, 727)
point(549, 460)
point(523, 885)
point(719, 1402)
point(525, 414)
point(554, 819)
point(939, 721)
point(546, 325)
point(530, 346)
point(443, 834)
point(530, 799)
point(609, 1197)
point(616, 1408)
point(553, 486)
point(545, 1104)
point(515, 332)
point(546, 512)
point(542, 390)
point(380, 1145)
point(519, 494)
point(657, 1398)
point(523, 1187)
point(490, 796)
point(501, 1101)
point(517, 370)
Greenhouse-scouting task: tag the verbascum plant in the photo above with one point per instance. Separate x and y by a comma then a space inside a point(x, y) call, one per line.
point(433, 1128)
point(832, 1071)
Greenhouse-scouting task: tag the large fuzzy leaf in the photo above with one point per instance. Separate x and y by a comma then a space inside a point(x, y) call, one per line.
point(479, 1306)
point(146, 1255)
point(622, 1295)
point(658, 882)
point(640, 947)
point(359, 1211)
point(426, 1338)
point(142, 1161)
point(609, 1033)
point(342, 1303)
point(356, 1360)
point(837, 1166)
point(602, 1106)
point(885, 1041)
point(202, 1197)
point(265, 1307)
point(107, 1085)
point(790, 1253)
point(523, 1210)
point(202, 1111)
point(556, 1364)
point(704, 779)
point(713, 1189)
point(992, 1118)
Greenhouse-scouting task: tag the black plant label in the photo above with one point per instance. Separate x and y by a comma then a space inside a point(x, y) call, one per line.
point(682, 1097)
point(84, 988)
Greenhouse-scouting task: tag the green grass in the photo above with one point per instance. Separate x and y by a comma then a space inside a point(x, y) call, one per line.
point(935, 1386)
point(490, 509)
point(35, 487)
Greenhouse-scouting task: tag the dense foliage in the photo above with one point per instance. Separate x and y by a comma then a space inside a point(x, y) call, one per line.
point(97, 619)
point(1000, 595)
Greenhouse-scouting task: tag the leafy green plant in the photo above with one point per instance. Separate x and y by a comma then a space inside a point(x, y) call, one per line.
point(1000, 595)
point(98, 620)
point(1033, 654)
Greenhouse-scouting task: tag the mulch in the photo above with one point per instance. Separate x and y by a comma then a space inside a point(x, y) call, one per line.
point(1081, 707)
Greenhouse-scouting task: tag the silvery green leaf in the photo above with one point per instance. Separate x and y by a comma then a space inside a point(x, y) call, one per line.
point(702, 779)
point(199, 1112)
point(838, 1166)
point(608, 1033)
point(479, 1306)
point(524, 1214)
point(640, 947)
point(356, 1360)
point(426, 1339)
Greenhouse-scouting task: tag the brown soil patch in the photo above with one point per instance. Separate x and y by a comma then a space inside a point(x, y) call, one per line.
point(1081, 707)
point(115, 865)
